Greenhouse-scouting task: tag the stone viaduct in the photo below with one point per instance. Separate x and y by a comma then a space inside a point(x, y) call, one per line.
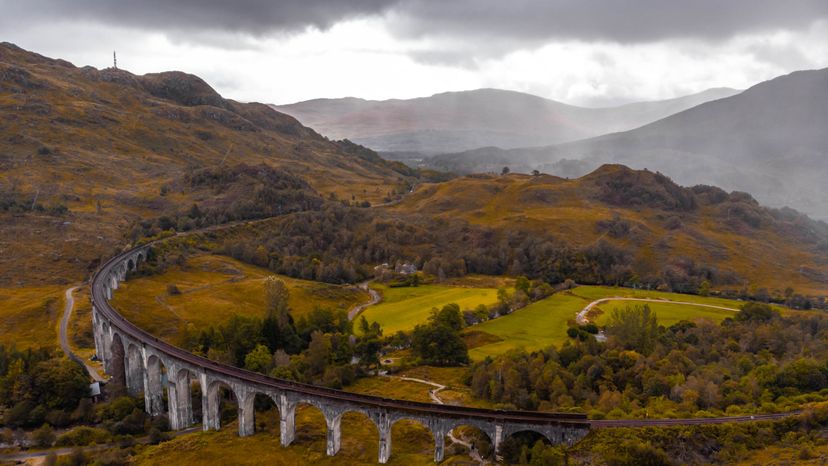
point(150, 366)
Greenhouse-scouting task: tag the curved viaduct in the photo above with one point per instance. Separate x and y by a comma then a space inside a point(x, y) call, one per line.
point(150, 366)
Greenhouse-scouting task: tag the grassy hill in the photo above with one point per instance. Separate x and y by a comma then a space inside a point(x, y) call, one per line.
point(211, 289)
point(86, 152)
point(669, 230)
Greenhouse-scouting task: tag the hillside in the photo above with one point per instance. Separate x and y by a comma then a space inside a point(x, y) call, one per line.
point(457, 121)
point(670, 231)
point(86, 153)
point(770, 141)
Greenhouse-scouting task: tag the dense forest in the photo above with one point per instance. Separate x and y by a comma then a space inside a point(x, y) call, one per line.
point(758, 361)
point(340, 244)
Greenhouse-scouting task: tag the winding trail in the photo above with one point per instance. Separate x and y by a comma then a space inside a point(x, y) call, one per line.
point(582, 319)
point(434, 397)
point(375, 299)
point(64, 339)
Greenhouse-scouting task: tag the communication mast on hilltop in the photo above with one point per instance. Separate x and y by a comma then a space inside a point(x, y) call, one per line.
point(114, 60)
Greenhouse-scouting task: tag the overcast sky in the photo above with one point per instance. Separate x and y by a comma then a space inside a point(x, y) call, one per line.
point(583, 52)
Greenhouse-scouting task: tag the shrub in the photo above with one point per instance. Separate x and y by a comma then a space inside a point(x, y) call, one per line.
point(82, 436)
point(44, 437)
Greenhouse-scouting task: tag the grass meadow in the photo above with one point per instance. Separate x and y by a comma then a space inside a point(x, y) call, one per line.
point(212, 289)
point(544, 323)
point(403, 308)
point(29, 316)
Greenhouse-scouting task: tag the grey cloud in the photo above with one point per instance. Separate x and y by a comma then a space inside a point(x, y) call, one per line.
point(255, 17)
point(624, 21)
point(519, 20)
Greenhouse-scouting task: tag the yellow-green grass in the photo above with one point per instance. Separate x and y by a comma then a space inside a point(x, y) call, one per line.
point(403, 308)
point(545, 322)
point(536, 326)
point(212, 289)
point(29, 316)
point(389, 387)
point(667, 313)
point(599, 292)
point(411, 444)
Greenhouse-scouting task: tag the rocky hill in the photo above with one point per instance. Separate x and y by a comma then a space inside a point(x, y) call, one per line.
point(668, 230)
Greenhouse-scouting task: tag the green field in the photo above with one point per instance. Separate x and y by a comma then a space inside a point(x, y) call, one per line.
point(403, 308)
point(544, 323)
point(536, 326)
point(669, 313)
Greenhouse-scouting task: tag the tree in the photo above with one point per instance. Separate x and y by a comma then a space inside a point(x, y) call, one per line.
point(259, 360)
point(439, 345)
point(505, 171)
point(756, 312)
point(449, 315)
point(634, 327)
point(704, 288)
point(522, 284)
point(318, 353)
point(277, 297)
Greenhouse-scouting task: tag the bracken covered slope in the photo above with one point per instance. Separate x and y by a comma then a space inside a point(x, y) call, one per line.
point(105, 143)
point(662, 224)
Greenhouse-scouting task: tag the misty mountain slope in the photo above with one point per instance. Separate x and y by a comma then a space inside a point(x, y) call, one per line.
point(457, 121)
point(770, 141)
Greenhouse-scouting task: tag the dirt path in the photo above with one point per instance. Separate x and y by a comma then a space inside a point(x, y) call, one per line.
point(64, 339)
point(434, 397)
point(582, 319)
point(375, 299)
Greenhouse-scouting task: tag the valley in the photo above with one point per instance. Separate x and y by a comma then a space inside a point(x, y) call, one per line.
point(300, 299)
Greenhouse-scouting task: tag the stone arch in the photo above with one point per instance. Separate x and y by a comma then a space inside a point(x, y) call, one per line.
point(220, 392)
point(477, 437)
point(157, 379)
point(418, 434)
point(134, 370)
point(266, 412)
point(130, 265)
point(116, 364)
point(358, 420)
point(311, 422)
point(514, 438)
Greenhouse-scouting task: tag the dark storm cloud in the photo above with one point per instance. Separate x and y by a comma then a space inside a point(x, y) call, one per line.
point(255, 17)
point(515, 20)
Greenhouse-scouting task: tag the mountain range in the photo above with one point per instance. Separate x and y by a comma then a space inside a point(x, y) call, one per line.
point(769, 140)
point(457, 121)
